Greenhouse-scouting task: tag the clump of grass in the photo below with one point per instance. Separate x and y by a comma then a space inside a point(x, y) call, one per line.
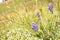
point(16, 25)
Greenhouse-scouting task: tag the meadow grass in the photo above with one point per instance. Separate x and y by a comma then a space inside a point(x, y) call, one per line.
point(16, 19)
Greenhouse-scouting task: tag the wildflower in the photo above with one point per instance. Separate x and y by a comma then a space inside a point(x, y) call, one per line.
point(50, 7)
point(34, 26)
point(38, 13)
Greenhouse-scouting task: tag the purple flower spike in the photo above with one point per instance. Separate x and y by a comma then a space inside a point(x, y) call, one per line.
point(34, 26)
point(38, 13)
point(50, 7)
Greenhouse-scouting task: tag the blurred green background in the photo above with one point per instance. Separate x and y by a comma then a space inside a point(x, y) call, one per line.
point(16, 17)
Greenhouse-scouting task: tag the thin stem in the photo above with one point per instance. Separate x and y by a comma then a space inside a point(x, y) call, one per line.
point(58, 4)
point(36, 5)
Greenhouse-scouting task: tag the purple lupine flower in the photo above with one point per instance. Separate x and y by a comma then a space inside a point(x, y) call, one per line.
point(34, 26)
point(50, 7)
point(38, 13)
